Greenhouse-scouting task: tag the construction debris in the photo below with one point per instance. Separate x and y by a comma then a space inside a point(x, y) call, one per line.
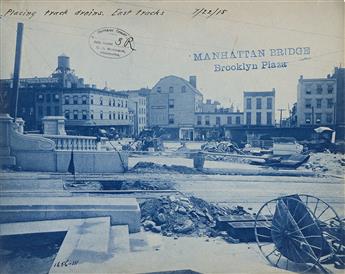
point(175, 216)
point(221, 147)
point(326, 163)
point(157, 168)
point(147, 185)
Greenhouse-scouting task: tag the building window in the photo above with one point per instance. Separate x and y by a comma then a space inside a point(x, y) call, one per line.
point(114, 115)
point(307, 103)
point(110, 115)
point(66, 100)
point(56, 97)
point(183, 89)
point(122, 103)
point(75, 100)
point(308, 89)
point(84, 100)
point(329, 89)
point(171, 89)
point(269, 118)
point(101, 101)
point(91, 115)
point(319, 89)
point(238, 120)
point(159, 89)
point(121, 115)
point(171, 119)
point(307, 118)
point(217, 120)
point(207, 120)
point(84, 115)
point(40, 111)
point(318, 103)
point(229, 120)
point(269, 103)
point(318, 118)
point(48, 98)
point(91, 101)
point(198, 122)
point(249, 118)
point(258, 103)
point(258, 118)
point(109, 102)
point(49, 112)
point(67, 114)
point(171, 103)
point(40, 97)
point(329, 103)
point(75, 114)
point(101, 115)
point(56, 111)
point(114, 103)
point(126, 116)
point(329, 118)
point(249, 103)
point(126, 103)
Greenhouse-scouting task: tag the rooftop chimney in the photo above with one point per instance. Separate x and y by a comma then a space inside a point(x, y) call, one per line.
point(192, 80)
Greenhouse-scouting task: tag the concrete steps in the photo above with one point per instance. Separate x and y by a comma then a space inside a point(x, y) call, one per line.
point(122, 211)
point(119, 239)
point(86, 242)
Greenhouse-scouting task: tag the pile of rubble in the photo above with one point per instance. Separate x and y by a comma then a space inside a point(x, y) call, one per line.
point(174, 216)
point(158, 168)
point(221, 147)
point(326, 163)
point(147, 185)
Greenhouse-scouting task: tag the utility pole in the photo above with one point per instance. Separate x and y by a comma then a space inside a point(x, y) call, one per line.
point(281, 116)
point(15, 90)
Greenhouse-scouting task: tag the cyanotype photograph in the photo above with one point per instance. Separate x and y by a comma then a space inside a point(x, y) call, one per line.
point(172, 137)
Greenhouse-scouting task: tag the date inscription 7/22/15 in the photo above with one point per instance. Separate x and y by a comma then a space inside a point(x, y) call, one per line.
point(208, 12)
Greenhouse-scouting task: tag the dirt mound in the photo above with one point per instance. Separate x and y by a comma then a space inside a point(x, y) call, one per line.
point(173, 216)
point(154, 168)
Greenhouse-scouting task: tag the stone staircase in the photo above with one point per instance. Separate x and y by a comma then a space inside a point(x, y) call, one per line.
point(88, 242)
point(98, 228)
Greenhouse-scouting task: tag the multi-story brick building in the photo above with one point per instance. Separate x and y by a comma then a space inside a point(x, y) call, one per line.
point(339, 76)
point(173, 102)
point(137, 104)
point(259, 108)
point(85, 107)
point(88, 108)
point(316, 101)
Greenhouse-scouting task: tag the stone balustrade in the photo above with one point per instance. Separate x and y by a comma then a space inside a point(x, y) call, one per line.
point(69, 142)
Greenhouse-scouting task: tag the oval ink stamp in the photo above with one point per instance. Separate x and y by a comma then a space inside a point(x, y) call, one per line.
point(110, 42)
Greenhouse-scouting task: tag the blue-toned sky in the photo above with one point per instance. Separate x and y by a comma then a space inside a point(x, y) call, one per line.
point(165, 44)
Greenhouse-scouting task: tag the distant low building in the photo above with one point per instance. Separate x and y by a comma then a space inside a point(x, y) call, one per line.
point(316, 101)
point(217, 124)
point(210, 106)
point(259, 108)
